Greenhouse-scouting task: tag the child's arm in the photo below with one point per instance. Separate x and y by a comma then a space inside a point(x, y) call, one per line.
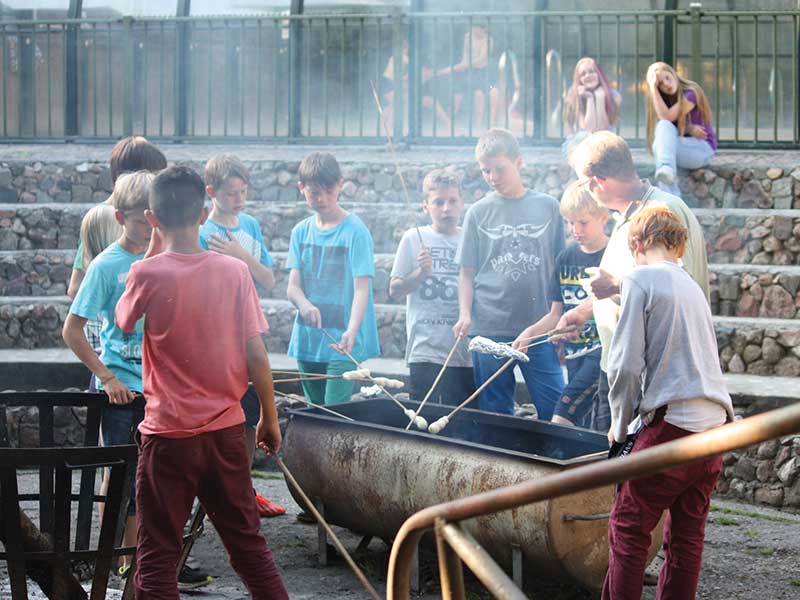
point(662, 111)
point(360, 302)
point(577, 316)
point(466, 292)
point(75, 280)
point(402, 286)
point(75, 338)
point(626, 360)
point(268, 433)
point(295, 294)
point(231, 247)
point(542, 326)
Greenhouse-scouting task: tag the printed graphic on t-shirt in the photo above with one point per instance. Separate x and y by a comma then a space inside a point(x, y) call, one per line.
point(572, 294)
point(519, 251)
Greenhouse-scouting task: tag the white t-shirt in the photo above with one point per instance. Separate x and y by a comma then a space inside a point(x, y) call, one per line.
point(432, 309)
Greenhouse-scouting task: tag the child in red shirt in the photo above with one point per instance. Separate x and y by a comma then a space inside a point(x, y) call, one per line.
point(191, 442)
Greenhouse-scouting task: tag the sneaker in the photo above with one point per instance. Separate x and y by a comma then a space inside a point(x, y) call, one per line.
point(267, 509)
point(665, 175)
point(306, 517)
point(190, 579)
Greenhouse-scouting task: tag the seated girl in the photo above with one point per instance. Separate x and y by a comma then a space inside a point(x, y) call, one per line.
point(679, 130)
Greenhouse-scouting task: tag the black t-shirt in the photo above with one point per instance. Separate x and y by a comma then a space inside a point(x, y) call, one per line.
point(565, 287)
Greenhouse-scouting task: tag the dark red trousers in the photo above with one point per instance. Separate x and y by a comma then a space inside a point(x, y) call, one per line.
point(214, 468)
point(686, 493)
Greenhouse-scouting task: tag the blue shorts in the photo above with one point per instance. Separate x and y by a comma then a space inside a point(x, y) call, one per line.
point(118, 426)
point(251, 406)
point(577, 399)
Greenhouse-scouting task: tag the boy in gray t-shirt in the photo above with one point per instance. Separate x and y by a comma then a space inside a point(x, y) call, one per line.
point(507, 257)
point(426, 274)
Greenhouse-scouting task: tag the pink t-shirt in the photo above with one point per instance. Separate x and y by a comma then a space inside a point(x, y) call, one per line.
point(200, 310)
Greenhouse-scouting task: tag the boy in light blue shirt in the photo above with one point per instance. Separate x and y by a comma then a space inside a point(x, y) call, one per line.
point(118, 370)
point(330, 282)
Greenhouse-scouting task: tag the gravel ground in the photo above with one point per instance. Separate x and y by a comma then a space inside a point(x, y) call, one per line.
point(751, 553)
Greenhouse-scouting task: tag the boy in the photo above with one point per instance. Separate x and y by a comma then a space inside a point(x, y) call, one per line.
point(330, 282)
point(664, 351)
point(586, 221)
point(427, 275)
point(229, 231)
point(118, 369)
point(507, 258)
point(191, 441)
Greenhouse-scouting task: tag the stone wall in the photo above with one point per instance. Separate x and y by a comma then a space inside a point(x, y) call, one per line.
point(765, 474)
point(747, 239)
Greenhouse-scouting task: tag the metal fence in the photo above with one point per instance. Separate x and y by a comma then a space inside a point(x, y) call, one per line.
point(305, 78)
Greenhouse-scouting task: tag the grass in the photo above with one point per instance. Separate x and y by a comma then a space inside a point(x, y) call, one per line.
point(263, 475)
point(752, 514)
point(766, 552)
point(726, 521)
point(795, 582)
point(751, 534)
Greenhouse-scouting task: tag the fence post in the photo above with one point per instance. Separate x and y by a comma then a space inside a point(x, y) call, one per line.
point(71, 75)
point(295, 69)
point(397, 53)
point(127, 78)
point(668, 42)
point(697, 41)
point(184, 67)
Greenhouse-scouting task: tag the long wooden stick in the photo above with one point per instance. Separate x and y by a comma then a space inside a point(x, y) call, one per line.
point(301, 379)
point(436, 381)
point(396, 162)
point(358, 366)
point(312, 405)
point(339, 546)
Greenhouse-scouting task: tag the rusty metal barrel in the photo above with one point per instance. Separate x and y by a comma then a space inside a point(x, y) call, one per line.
point(371, 475)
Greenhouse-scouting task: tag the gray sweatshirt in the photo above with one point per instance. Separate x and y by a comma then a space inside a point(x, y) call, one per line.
point(664, 347)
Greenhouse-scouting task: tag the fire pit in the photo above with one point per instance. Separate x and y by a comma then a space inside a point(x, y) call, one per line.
point(370, 475)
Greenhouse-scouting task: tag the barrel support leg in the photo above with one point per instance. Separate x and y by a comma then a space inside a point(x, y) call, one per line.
point(516, 565)
point(322, 536)
point(451, 571)
point(416, 587)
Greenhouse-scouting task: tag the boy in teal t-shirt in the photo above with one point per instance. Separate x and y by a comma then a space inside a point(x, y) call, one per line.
point(330, 282)
point(118, 370)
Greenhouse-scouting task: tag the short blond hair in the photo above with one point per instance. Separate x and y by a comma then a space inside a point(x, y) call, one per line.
point(220, 167)
point(132, 191)
point(657, 226)
point(99, 229)
point(577, 199)
point(440, 178)
point(497, 142)
point(604, 154)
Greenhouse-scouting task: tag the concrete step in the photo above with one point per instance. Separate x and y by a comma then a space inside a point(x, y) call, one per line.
point(59, 368)
point(740, 290)
point(757, 346)
point(746, 236)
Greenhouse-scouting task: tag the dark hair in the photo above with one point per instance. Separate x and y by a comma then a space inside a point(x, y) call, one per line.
point(604, 154)
point(222, 166)
point(177, 196)
point(135, 153)
point(320, 168)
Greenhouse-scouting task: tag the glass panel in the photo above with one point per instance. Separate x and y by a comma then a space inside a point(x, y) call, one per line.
point(138, 8)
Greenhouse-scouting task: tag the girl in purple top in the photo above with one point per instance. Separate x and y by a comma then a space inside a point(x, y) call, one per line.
point(679, 129)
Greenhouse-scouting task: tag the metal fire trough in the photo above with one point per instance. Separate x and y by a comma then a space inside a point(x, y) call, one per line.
point(370, 475)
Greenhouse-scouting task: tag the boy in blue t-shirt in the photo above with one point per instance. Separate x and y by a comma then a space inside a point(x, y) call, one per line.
point(118, 370)
point(586, 221)
point(330, 282)
point(229, 231)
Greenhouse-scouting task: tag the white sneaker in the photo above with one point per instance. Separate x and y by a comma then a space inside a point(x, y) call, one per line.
point(665, 175)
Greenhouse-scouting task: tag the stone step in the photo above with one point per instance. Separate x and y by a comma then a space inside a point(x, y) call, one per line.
point(757, 346)
point(59, 368)
point(80, 173)
point(740, 290)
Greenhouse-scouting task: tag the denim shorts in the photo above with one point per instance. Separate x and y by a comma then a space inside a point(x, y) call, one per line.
point(118, 426)
point(251, 406)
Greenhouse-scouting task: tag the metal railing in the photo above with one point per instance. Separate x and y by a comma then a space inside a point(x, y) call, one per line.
point(308, 77)
point(455, 545)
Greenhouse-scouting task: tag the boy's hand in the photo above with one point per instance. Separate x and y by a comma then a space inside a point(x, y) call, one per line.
point(425, 261)
point(228, 247)
point(311, 315)
point(117, 392)
point(268, 437)
point(611, 439)
point(523, 339)
point(461, 329)
point(572, 318)
point(345, 345)
point(603, 285)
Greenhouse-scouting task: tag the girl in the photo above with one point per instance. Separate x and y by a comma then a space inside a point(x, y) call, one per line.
point(590, 104)
point(679, 130)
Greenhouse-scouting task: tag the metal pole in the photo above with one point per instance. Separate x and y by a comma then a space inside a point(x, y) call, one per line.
point(668, 48)
point(451, 572)
point(71, 124)
point(697, 42)
point(127, 101)
point(398, 36)
point(295, 69)
point(183, 68)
